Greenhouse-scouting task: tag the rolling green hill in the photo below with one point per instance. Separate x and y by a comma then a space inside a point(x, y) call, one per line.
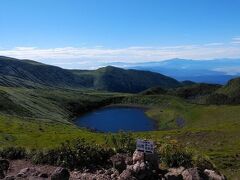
point(154, 91)
point(27, 73)
point(228, 94)
point(195, 90)
point(119, 80)
point(231, 89)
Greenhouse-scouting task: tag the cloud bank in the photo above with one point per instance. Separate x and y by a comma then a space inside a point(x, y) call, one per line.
point(89, 58)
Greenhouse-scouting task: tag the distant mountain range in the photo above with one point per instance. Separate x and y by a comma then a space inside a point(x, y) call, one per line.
point(28, 73)
point(218, 71)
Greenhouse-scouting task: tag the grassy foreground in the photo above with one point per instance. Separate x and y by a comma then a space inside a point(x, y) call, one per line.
point(41, 119)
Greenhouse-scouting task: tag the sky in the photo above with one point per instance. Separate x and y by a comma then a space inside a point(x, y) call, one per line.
point(88, 33)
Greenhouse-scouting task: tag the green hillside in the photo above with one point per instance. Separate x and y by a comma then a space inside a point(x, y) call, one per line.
point(195, 90)
point(154, 91)
point(54, 104)
point(231, 89)
point(27, 73)
point(40, 115)
point(119, 80)
point(42, 118)
point(228, 94)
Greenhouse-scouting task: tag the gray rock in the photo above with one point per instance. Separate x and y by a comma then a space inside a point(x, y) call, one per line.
point(138, 156)
point(126, 175)
point(100, 171)
point(175, 174)
point(43, 175)
point(212, 175)
point(136, 167)
point(109, 172)
point(34, 178)
point(170, 176)
point(191, 174)
point(114, 176)
point(27, 172)
point(23, 172)
point(9, 178)
point(91, 176)
point(60, 174)
point(128, 160)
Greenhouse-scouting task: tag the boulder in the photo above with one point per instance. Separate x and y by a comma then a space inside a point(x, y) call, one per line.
point(126, 175)
point(43, 175)
point(91, 176)
point(60, 174)
point(191, 174)
point(114, 175)
point(27, 172)
point(212, 175)
point(138, 156)
point(174, 174)
point(171, 176)
point(128, 160)
point(138, 167)
point(109, 171)
point(9, 178)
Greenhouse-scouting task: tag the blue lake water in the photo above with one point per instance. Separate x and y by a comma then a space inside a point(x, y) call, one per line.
point(114, 119)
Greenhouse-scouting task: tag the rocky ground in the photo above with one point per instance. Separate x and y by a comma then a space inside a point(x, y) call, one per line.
point(125, 167)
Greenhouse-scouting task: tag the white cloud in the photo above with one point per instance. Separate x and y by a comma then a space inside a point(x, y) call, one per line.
point(214, 44)
point(84, 57)
point(236, 40)
point(229, 70)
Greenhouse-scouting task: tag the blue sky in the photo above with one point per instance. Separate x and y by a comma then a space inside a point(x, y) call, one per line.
point(80, 33)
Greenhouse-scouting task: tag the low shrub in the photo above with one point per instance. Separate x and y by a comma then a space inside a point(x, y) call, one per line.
point(174, 155)
point(218, 99)
point(123, 142)
point(13, 153)
point(74, 154)
point(77, 154)
point(203, 162)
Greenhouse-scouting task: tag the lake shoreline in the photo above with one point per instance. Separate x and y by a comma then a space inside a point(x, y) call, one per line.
point(144, 107)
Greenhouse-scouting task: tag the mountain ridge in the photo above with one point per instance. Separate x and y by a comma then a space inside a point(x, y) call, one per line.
point(28, 73)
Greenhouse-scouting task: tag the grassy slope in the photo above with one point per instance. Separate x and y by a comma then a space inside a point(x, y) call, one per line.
point(27, 73)
point(32, 133)
point(121, 80)
point(213, 130)
point(232, 89)
point(54, 104)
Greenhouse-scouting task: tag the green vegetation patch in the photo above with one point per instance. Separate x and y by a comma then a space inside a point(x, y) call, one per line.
point(41, 118)
point(36, 133)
